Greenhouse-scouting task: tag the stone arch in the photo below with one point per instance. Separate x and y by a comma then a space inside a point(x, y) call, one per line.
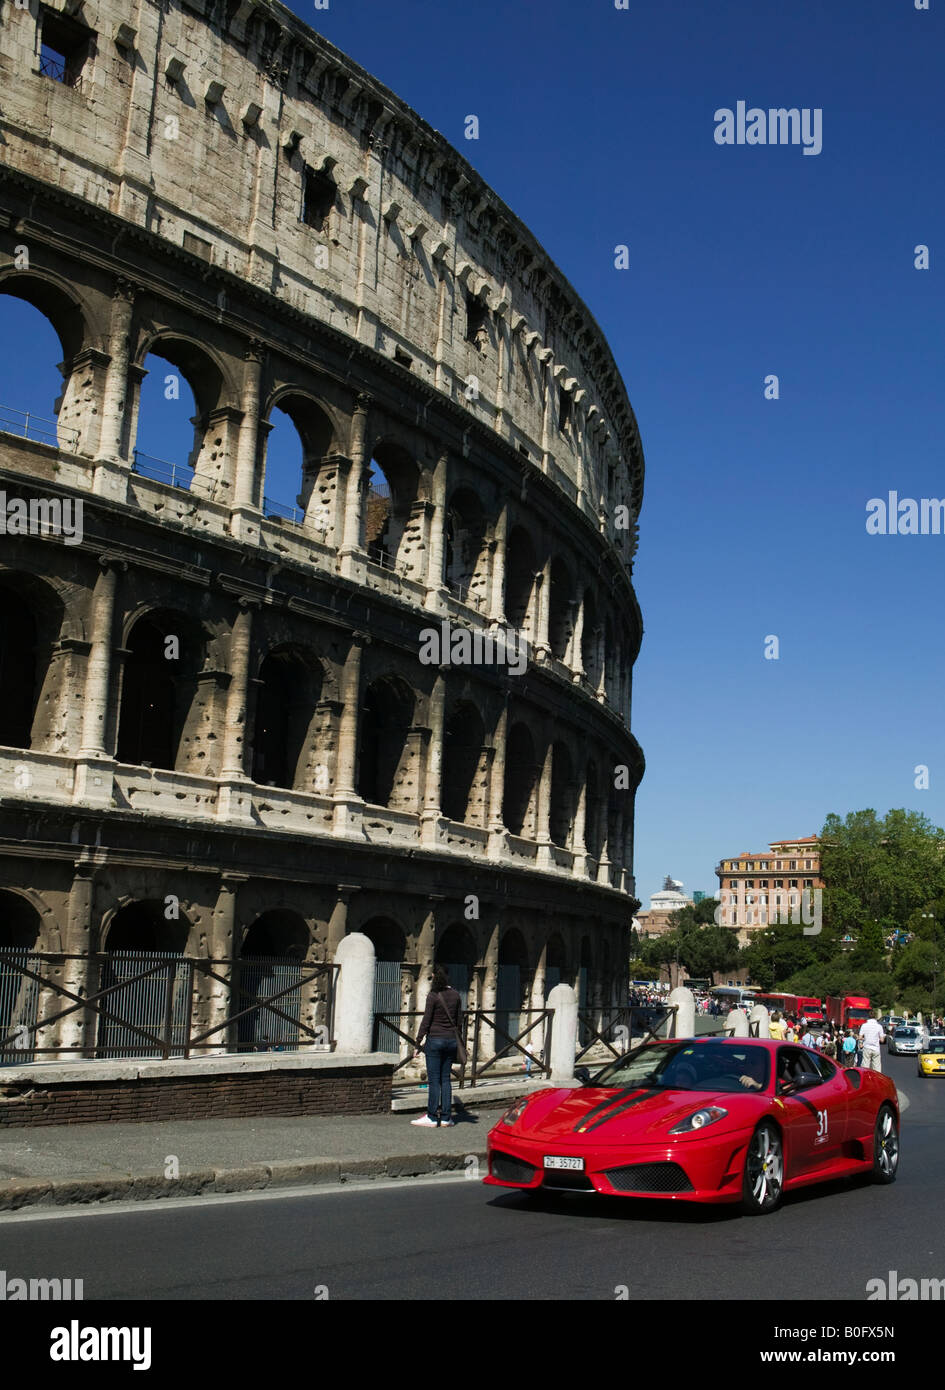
point(392, 532)
point(463, 740)
point(466, 550)
point(57, 300)
point(513, 986)
point(32, 615)
point(160, 716)
point(560, 610)
point(271, 955)
point(458, 952)
point(139, 924)
point(563, 795)
point(213, 438)
point(385, 755)
point(296, 482)
point(290, 684)
point(521, 568)
point(521, 781)
point(590, 639)
point(20, 922)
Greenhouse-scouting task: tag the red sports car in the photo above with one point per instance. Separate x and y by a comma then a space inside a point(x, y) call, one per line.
point(702, 1120)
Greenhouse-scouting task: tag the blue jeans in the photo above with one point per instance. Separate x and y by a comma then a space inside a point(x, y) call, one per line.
point(440, 1055)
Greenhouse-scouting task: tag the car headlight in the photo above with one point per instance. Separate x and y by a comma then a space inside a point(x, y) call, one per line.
point(512, 1116)
point(699, 1119)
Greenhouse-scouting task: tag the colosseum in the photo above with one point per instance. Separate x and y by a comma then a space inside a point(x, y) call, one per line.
point(225, 741)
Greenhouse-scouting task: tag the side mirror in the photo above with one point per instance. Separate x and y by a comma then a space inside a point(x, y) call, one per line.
point(583, 1075)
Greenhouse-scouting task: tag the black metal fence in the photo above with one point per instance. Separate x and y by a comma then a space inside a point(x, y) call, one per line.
point(157, 1004)
point(492, 1043)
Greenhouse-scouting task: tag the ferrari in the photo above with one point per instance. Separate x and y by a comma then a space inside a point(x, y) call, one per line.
point(702, 1120)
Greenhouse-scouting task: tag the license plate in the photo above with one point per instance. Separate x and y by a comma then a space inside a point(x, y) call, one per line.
point(576, 1163)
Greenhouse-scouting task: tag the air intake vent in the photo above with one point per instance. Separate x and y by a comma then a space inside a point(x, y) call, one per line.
point(649, 1177)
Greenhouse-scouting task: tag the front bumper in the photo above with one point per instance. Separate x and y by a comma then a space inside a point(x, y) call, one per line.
point(700, 1169)
point(932, 1066)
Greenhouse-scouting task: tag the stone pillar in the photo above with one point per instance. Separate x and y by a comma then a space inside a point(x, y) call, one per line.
point(433, 777)
point(435, 580)
point(542, 644)
point(564, 1028)
point(77, 1030)
point(498, 834)
point(684, 1023)
point(543, 807)
point(759, 1022)
point(578, 842)
point(223, 945)
point(235, 793)
point(490, 984)
point(354, 1001)
point(94, 764)
point(114, 398)
point(347, 801)
point(737, 1023)
point(577, 637)
point(603, 862)
point(354, 491)
point(426, 952)
point(246, 482)
point(497, 582)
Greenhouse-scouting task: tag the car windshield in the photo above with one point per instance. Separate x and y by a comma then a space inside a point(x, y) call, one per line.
point(907, 1032)
point(935, 1045)
point(690, 1066)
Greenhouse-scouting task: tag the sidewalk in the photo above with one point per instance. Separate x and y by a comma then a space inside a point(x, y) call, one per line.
point(59, 1165)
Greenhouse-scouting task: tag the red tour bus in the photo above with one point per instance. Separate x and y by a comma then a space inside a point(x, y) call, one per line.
point(810, 1010)
point(848, 1011)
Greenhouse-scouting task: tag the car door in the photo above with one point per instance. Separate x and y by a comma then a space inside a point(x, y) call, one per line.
point(814, 1115)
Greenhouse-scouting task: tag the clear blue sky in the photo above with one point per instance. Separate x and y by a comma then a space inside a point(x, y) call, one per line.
point(596, 127)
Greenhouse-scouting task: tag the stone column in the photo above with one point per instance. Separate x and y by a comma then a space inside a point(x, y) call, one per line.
point(498, 835)
point(577, 637)
point(603, 862)
point(684, 1022)
point(94, 764)
point(435, 579)
point(348, 804)
point(497, 583)
point(543, 808)
point(578, 842)
point(246, 488)
point(235, 792)
point(542, 644)
point(116, 376)
point(77, 1029)
point(223, 944)
point(490, 983)
point(426, 951)
point(354, 491)
point(433, 775)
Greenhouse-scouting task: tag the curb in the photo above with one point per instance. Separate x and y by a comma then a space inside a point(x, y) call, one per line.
point(21, 1193)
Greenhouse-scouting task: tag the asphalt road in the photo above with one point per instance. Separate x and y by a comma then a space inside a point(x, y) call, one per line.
point(449, 1238)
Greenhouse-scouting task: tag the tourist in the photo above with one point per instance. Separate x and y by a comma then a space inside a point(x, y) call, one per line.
point(440, 1027)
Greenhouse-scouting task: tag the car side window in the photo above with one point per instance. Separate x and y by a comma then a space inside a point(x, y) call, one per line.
point(822, 1064)
point(793, 1063)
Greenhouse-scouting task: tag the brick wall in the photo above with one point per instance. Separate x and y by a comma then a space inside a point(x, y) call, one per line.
point(354, 1091)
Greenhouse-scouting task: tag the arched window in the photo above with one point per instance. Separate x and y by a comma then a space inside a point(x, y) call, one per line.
point(463, 739)
point(148, 984)
point(286, 710)
point(271, 965)
point(561, 812)
point(513, 987)
point(19, 992)
point(297, 486)
point(392, 536)
point(389, 949)
point(560, 610)
point(521, 780)
point(181, 388)
point(18, 684)
point(43, 396)
point(383, 747)
point(165, 653)
point(466, 553)
point(521, 569)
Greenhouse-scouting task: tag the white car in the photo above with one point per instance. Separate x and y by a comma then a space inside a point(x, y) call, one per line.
point(905, 1041)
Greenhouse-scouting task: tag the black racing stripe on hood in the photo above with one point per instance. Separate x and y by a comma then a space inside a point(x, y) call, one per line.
point(627, 1105)
point(605, 1105)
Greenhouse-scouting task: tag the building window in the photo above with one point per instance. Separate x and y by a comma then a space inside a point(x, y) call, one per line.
point(764, 883)
point(793, 864)
point(64, 49)
point(749, 883)
point(476, 313)
point(779, 883)
point(763, 864)
point(808, 883)
point(564, 408)
point(792, 883)
point(733, 883)
point(318, 198)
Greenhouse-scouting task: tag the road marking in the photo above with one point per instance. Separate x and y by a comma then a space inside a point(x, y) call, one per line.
point(217, 1198)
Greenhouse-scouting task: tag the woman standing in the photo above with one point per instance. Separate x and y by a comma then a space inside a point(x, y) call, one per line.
point(440, 1027)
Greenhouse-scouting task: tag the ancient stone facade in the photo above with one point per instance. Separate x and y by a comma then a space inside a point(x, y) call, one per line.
point(212, 704)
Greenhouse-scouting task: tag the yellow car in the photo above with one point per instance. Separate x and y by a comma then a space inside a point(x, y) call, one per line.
point(932, 1058)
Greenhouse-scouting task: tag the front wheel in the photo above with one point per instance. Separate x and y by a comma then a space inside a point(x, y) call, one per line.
point(886, 1146)
point(763, 1180)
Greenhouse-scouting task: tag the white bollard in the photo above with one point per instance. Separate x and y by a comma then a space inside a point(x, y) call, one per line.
point(759, 1015)
point(737, 1023)
point(684, 1022)
point(354, 1001)
point(563, 1001)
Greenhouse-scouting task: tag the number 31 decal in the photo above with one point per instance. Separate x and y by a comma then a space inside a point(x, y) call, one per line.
point(821, 1126)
